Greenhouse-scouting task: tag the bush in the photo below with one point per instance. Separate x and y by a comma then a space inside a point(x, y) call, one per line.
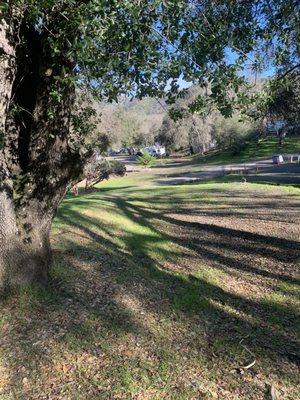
point(232, 134)
point(146, 160)
point(97, 170)
point(238, 146)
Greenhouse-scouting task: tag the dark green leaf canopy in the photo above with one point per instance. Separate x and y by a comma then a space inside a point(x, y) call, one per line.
point(144, 47)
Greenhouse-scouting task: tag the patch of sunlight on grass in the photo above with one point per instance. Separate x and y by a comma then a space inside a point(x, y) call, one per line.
point(155, 310)
point(194, 295)
point(211, 276)
point(281, 307)
point(289, 289)
point(233, 182)
point(234, 312)
point(132, 179)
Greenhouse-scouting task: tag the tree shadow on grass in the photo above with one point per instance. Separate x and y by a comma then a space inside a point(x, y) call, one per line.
point(98, 270)
point(211, 241)
point(208, 248)
point(72, 315)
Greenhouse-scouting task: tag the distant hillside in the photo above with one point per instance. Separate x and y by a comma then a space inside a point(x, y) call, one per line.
point(130, 123)
point(141, 122)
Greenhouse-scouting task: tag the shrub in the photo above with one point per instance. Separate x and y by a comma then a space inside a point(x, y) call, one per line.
point(97, 170)
point(232, 134)
point(147, 160)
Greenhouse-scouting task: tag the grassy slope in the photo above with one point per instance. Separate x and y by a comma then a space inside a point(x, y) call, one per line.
point(253, 150)
point(162, 293)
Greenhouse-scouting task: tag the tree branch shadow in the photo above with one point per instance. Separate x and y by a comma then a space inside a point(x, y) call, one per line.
point(95, 271)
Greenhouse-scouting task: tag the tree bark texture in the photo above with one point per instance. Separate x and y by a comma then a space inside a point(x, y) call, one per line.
point(23, 259)
point(36, 161)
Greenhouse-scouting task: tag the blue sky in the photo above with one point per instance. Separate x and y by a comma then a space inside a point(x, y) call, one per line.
point(247, 71)
point(267, 72)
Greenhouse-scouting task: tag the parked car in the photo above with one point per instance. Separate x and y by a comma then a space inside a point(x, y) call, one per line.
point(161, 151)
point(155, 151)
point(140, 153)
point(275, 126)
point(277, 159)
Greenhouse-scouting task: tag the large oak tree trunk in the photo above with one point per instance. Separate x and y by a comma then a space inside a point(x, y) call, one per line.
point(36, 160)
point(25, 254)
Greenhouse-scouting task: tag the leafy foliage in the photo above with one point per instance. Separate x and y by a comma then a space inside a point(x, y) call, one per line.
point(190, 130)
point(283, 102)
point(126, 123)
point(101, 44)
point(232, 132)
point(201, 133)
point(147, 160)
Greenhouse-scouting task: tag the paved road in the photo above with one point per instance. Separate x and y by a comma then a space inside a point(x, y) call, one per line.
point(215, 171)
point(262, 171)
point(283, 174)
point(256, 171)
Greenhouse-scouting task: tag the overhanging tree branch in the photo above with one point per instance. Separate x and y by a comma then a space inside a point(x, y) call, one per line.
point(288, 72)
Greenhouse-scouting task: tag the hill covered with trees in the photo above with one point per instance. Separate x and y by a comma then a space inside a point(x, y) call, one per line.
point(138, 123)
point(129, 123)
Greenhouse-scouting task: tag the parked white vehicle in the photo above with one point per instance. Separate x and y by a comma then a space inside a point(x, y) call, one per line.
point(161, 151)
point(277, 159)
point(155, 151)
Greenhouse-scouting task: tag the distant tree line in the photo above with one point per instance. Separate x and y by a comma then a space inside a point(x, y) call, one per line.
point(144, 122)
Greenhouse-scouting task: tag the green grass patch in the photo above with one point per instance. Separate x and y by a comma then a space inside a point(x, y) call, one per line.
point(157, 290)
point(253, 150)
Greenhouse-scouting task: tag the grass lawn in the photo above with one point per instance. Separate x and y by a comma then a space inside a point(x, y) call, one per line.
point(185, 292)
point(253, 150)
